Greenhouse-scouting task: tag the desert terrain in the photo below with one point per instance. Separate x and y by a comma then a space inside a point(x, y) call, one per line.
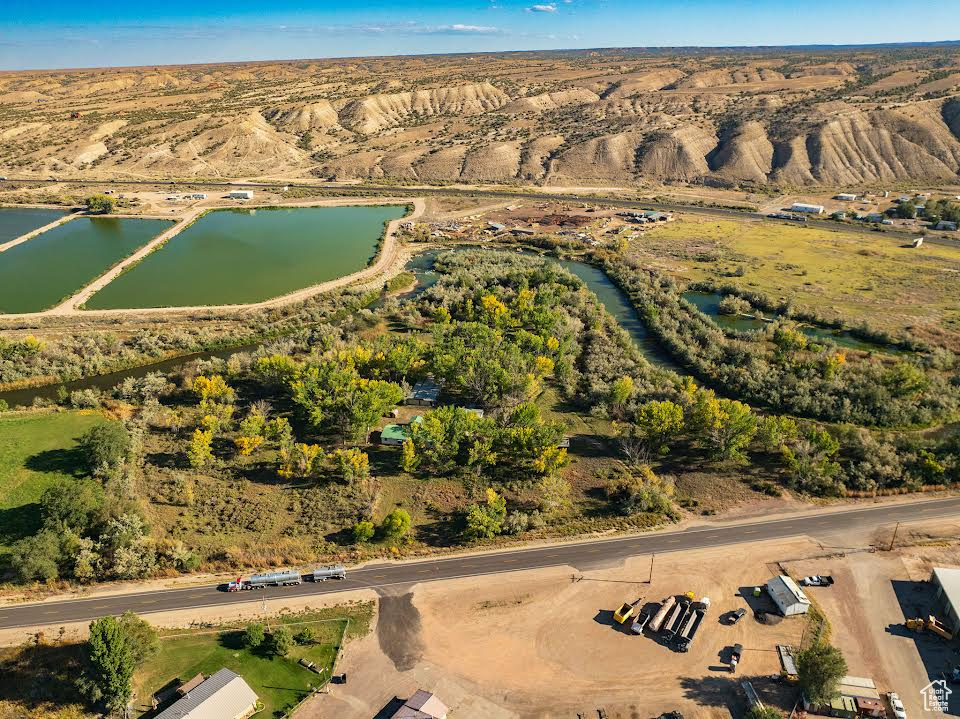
point(591, 118)
point(543, 644)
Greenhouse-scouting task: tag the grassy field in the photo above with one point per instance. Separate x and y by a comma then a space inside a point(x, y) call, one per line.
point(37, 449)
point(858, 276)
point(280, 682)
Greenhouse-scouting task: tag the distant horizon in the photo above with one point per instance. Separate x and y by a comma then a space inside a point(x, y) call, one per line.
point(63, 35)
point(652, 49)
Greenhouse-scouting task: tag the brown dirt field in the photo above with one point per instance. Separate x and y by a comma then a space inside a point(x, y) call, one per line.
point(538, 644)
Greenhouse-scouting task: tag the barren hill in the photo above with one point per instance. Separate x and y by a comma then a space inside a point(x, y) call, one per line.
point(839, 117)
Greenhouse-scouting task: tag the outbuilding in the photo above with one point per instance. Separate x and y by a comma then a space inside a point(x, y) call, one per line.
point(788, 597)
point(804, 207)
point(425, 393)
point(947, 584)
point(422, 705)
point(224, 695)
point(393, 435)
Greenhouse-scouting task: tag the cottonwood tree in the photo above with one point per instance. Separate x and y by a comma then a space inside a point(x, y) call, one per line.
point(115, 648)
point(820, 668)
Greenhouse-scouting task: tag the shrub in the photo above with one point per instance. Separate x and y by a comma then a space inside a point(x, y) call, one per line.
point(254, 634)
point(363, 532)
point(396, 524)
point(281, 639)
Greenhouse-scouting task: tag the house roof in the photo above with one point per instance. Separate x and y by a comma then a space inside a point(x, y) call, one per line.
point(223, 695)
point(426, 389)
point(396, 432)
point(786, 591)
point(428, 703)
point(422, 705)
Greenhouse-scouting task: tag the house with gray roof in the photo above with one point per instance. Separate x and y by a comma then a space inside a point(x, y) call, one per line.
point(422, 705)
point(224, 695)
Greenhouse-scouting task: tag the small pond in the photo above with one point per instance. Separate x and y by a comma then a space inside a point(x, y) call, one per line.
point(709, 304)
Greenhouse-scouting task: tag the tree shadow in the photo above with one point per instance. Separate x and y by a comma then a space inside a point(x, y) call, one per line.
point(63, 461)
point(763, 603)
point(17, 523)
point(34, 675)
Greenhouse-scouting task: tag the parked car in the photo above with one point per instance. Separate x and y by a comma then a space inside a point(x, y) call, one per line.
point(898, 711)
point(735, 616)
point(818, 580)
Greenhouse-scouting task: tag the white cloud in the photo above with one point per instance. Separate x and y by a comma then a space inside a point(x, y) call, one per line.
point(469, 29)
point(548, 7)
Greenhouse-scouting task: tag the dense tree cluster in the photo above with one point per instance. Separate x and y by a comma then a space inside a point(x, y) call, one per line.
point(781, 370)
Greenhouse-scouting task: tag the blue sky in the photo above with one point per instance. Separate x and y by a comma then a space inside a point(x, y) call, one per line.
point(67, 33)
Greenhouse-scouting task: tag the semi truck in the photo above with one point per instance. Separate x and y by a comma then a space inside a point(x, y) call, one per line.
point(287, 577)
point(282, 578)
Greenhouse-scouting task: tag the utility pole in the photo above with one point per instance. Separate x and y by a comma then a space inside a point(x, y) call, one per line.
point(894, 537)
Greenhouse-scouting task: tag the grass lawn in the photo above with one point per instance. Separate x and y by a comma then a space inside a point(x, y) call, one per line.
point(37, 449)
point(860, 276)
point(280, 682)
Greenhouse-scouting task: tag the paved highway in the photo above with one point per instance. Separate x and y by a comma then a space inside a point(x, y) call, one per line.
point(511, 195)
point(582, 554)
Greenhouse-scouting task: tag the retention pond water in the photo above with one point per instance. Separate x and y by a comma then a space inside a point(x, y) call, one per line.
point(40, 272)
point(17, 221)
point(243, 256)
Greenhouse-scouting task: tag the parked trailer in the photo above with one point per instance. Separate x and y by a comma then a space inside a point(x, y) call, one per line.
point(671, 617)
point(661, 614)
point(641, 621)
point(672, 627)
point(690, 630)
point(334, 571)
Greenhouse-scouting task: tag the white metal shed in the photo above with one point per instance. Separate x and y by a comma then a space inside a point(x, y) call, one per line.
point(788, 597)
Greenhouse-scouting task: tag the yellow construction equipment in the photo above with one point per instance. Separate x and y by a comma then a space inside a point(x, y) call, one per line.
point(623, 613)
point(937, 627)
point(931, 624)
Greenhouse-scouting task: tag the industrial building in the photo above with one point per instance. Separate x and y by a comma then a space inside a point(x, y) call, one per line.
point(804, 207)
point(224, 695)
point(788, 597)
point(947, 584)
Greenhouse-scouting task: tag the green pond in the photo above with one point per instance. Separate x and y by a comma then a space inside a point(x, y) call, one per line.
point(38, 273)
point(709, 304)
point(16, 221)
point(243, 256)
